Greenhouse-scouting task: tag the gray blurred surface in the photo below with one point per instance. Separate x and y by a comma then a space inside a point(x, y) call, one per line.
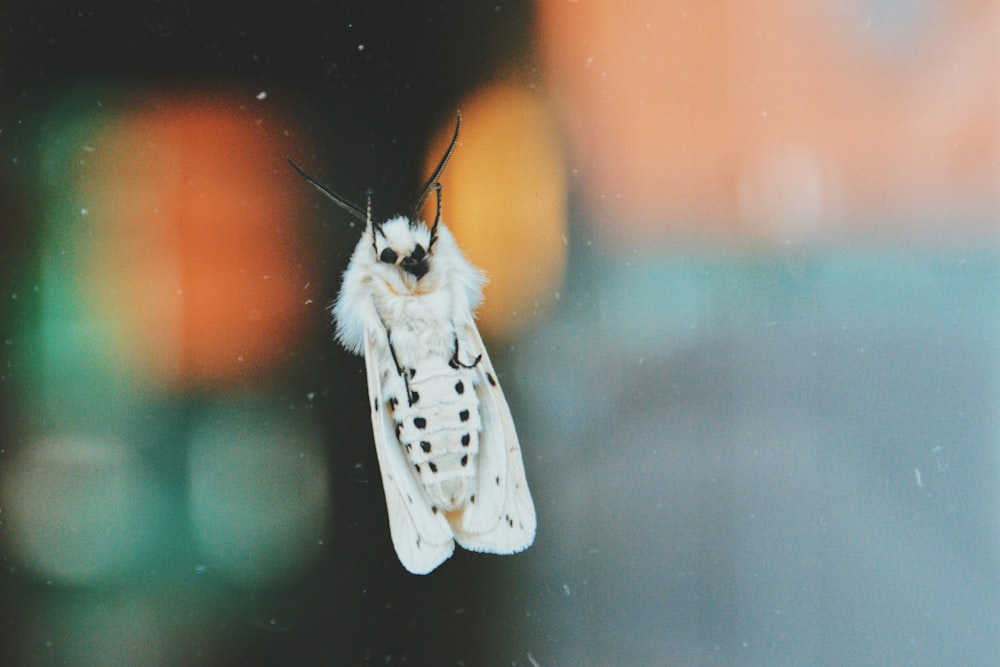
point(800, 469)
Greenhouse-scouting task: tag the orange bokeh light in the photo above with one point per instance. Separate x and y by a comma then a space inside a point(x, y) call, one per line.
point(202, 262)
point(505, 197)
point(713, 119)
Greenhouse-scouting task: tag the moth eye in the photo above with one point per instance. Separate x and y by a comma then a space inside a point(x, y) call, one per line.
point(418, 253)
point(388, 256)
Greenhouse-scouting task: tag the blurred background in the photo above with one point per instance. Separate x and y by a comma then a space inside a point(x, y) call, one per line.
point(744, 302)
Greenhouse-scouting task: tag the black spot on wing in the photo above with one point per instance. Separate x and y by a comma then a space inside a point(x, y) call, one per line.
point(464, 415)
point(465, 460)
point(420, 422)
point(414, 397)
point(375, 404)
point(465, 439)
point(459, 387)
point(433, 467)
point(426, 446)
point(489, 378)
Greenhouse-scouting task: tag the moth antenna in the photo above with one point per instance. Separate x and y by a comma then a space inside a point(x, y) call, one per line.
point(355, 212)
point(368, 217)
point(437, 218)
point(432, 181)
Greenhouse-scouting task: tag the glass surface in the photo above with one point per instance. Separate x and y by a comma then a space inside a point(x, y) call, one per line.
point(744, 304)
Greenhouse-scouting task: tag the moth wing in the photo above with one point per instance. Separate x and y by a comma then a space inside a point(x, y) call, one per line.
point(422, 539)
point(502, 519)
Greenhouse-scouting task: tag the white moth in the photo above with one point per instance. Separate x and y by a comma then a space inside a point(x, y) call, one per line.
point(447, 449)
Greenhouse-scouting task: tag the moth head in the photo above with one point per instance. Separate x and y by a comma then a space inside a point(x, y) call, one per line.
point(402, 242)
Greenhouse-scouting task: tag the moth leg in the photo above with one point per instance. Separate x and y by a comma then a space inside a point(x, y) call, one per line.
point(454, 362)
point(411, 396)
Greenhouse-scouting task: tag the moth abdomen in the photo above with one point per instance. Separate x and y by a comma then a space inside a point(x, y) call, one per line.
point(442, 447)
point(440, 433)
